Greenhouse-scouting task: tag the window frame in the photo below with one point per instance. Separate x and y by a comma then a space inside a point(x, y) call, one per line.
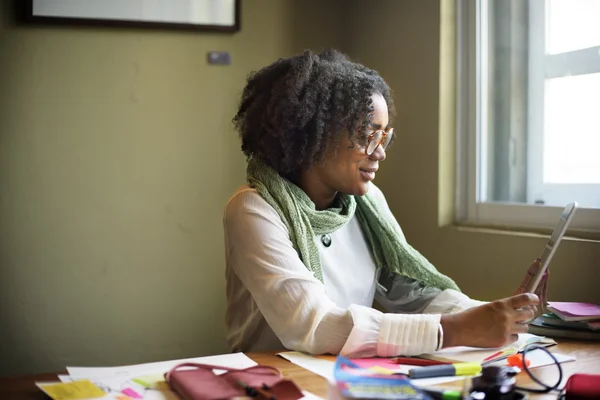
point(544, 66)
point(471, 206)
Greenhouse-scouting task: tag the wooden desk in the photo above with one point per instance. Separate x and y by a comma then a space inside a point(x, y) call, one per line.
point(587, 354)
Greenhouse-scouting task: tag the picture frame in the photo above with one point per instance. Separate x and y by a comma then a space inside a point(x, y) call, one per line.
point(196, 15)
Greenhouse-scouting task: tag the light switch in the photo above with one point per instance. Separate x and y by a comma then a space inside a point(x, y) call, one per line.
point(219, 57)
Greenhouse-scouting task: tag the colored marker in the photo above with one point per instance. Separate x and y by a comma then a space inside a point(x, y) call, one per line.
point(443, 394)
point(433, 371)
point(493, 356)
point(417, 361)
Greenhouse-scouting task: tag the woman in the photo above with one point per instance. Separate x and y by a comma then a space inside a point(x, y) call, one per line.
point(311, 242)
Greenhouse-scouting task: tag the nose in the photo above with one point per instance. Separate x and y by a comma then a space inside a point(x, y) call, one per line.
point(378, 154)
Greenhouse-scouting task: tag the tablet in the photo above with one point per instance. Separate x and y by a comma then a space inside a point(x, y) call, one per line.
point(552, 245)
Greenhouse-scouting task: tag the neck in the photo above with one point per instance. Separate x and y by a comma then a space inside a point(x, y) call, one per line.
point(317, 191)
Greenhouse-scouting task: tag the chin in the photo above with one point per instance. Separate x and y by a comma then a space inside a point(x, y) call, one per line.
point(362, 189)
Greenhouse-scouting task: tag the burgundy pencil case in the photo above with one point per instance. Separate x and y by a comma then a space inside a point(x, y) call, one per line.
point(192, 381)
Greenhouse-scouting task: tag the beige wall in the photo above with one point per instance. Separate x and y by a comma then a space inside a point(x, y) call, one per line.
point(117, 155)
point(405, 49)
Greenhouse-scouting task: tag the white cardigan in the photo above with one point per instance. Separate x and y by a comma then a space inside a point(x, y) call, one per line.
point(274, 301)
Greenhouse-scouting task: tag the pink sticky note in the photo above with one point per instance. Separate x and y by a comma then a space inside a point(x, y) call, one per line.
point(375, 362)
point(131, 393)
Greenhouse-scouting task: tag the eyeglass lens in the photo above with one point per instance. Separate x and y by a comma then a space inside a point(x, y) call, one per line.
point(377, 140)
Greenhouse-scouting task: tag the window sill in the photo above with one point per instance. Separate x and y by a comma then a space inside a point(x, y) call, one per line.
point(572, 235)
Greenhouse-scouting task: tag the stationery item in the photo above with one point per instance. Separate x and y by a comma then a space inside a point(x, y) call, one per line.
point(351, 381)
point(537, 358)
point(132, 393)
point(83, 389)
point(433, 371)
point(444, 394)
point(153, 381)
point(193, 381)
point(582, 387)
point(571, 311)
point(392, 363)
point(324, 366)
point(538, 327)
point(516, 360)
point(417, 361)
point(234, 360)
point(552, 319)
point(486, 356)
point(148, 380)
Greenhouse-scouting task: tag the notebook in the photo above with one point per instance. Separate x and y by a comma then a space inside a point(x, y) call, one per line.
point(539, 327)
point(570, 311)
point(553, 320)
point(486, 356)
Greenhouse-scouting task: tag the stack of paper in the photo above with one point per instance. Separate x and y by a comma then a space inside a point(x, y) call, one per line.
point(132, 382)
point(569, 320)
point(571, 311)
point(324, 365)
point(487, 356)
point(142, 381)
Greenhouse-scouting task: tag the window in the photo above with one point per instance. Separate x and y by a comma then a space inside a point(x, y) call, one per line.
point(528, 112)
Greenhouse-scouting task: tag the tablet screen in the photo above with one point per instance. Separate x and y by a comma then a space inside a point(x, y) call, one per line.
point(552, 245)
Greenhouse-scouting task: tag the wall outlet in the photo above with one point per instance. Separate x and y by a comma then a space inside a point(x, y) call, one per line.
point(218, 57)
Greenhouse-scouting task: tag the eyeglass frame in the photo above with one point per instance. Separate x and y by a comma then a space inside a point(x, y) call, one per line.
point(386, 132)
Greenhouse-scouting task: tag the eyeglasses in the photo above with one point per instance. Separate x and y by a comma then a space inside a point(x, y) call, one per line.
point(377, 138)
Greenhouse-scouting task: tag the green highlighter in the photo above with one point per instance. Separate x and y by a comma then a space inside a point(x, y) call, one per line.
point(444, 394)
point(434, 371)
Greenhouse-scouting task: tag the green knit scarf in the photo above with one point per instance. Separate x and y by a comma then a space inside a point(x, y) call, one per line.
point(384, 237)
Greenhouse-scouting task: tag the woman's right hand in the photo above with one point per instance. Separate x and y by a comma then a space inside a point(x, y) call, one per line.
point(495, 324)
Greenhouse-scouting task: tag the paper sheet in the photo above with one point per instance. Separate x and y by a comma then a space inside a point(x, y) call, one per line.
point(478, 355)
point(538, 358)
point(325, 368)
point(83, 389)
point(234, 360)
point(142, 381)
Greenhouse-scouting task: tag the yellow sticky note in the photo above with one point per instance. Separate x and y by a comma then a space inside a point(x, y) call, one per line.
point(83, 389)
point(381, 370)
point(155, 381)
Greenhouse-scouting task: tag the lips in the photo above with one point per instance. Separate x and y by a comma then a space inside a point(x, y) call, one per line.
point(373, 170)
point(368, 174)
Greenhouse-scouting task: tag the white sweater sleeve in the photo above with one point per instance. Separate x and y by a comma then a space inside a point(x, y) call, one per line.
point(295, 304)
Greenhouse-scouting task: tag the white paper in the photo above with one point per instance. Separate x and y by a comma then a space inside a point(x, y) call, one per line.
point(114, 380)
point(325, 368)
point(315, 365)
point(309, 396)
point(478, 355)
point(234, 360)
point(539, 358)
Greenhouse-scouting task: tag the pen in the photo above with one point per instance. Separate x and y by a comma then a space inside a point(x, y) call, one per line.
point(443, 394)
point(417, 361)
point(445, 370)
point(493, 356)
point(500, 355)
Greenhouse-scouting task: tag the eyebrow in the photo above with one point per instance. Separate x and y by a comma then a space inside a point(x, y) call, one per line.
point(378, 126)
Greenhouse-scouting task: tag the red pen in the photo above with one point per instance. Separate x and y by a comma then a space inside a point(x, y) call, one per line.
point(417, 361)
point(493, 355)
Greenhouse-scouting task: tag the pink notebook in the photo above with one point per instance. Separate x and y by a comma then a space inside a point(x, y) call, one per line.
point(571, 311)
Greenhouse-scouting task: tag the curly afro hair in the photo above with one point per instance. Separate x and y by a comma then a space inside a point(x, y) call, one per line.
point(291, 109)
